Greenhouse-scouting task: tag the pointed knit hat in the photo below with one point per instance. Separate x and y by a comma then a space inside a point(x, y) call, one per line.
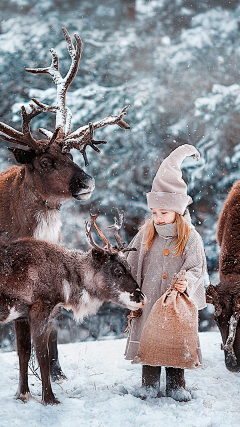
point(169, 191)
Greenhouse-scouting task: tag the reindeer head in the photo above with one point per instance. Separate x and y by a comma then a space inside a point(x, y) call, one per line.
point(227, 313)
point(113, 280)
point(49, 158)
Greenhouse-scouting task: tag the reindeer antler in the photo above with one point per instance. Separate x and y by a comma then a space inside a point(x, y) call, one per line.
point(78, 139)
point(110, 248)
point(88, 231)
point(25, 137)
point(117, 226)
point(63, 114)
point(83, 136)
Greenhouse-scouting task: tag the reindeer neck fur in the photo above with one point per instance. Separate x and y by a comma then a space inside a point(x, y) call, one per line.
point(27, 214)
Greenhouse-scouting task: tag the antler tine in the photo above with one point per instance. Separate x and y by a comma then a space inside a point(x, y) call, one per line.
point(25, 137)
point(75, 54)
point(109, 246)
point(78, 135)
point(88, 233)
point(83, 136)
point(63, 117)
point(109, 249)
point(117, 227)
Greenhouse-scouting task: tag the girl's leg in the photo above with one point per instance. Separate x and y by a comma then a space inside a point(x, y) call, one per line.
point(151, 376)
point(175, 385)
point(174, 379)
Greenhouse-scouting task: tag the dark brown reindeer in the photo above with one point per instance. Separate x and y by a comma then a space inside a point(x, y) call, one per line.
point(38, 278)
point(31, 194)
point(226, 295)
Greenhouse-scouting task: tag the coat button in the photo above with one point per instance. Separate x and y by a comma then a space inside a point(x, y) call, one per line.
point(166, 252)
point(164, 276)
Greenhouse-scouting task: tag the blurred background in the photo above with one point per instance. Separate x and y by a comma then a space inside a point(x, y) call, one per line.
point(176, 62)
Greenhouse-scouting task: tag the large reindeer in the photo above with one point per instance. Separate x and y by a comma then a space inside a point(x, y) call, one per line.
point(226, 295)
point(38, 278)
point(31, 194)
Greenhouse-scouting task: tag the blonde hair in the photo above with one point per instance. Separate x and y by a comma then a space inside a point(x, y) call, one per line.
point(182, 231)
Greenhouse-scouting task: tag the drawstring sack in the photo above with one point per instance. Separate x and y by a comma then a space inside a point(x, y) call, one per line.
point(170, 334)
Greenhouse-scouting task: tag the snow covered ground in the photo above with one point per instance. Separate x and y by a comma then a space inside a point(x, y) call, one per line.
point(98, 377)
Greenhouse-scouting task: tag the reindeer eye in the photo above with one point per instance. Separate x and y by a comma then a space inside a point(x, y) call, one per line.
point(118, 271)
point(45, 163)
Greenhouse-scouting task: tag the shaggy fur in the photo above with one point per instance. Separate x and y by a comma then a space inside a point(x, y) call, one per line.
point(38, 278)
point(225, 296)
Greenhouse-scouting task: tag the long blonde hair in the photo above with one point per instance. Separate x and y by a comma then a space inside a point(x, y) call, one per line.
point(182, 231)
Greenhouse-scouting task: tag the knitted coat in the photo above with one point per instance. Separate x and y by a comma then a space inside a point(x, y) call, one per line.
point(154, 271)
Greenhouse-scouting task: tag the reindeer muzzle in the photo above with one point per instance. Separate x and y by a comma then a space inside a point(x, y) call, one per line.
point(138, 297)
point(82, 189)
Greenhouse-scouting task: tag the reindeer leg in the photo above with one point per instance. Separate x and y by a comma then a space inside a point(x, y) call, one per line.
point(233, 322)
point(55, 368)
point(40, 335)
point(24, 350)
point(228, 346)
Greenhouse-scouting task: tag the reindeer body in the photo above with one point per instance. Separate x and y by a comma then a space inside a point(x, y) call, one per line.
point(38, 278)
point(226, 295)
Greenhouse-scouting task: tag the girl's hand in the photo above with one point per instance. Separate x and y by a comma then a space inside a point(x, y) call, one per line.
point(181, 285)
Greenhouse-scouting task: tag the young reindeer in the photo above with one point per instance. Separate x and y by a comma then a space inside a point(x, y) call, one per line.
point(31, 194)
point(38, 278)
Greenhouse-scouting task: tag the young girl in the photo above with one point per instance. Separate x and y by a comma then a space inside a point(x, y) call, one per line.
point(166, 244)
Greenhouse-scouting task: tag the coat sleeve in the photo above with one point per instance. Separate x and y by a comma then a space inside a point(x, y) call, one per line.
point(133, 256)
point(196, 268)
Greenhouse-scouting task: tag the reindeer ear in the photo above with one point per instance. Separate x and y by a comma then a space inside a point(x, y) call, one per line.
point(22, 156)
point(99, 255)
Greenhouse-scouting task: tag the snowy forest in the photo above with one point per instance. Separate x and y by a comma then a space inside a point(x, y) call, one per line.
point(176, 63)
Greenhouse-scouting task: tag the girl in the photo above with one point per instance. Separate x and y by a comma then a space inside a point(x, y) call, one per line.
point(166, 244)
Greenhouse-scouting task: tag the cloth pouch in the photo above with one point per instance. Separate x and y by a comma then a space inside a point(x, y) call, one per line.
point(170, 334)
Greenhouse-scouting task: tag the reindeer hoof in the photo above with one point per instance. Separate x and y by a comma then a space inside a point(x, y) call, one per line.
point(52, 401)
point(24, 397)
point(57, 374)
point(58, 377)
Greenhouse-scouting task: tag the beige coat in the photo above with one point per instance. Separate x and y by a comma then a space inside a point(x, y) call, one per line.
point(154, 271)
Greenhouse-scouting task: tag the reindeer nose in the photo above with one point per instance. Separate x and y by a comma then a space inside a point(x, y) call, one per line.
point(138, 296)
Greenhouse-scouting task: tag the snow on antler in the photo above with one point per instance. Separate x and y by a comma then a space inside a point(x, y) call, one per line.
point(80, 138)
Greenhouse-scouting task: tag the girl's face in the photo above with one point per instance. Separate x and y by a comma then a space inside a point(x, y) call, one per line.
point(163, 216)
